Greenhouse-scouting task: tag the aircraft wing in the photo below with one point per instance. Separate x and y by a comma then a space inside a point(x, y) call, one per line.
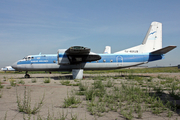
point(78, 50)
point(163, 50)
point(79, 54)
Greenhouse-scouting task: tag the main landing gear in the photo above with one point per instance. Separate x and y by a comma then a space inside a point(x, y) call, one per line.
point(77, 73)
point(27, 75)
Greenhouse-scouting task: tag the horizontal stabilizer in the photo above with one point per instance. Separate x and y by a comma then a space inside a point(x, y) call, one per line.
point(163, 50)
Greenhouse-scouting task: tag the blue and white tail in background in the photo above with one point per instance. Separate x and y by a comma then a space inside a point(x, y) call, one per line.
point(152, 40)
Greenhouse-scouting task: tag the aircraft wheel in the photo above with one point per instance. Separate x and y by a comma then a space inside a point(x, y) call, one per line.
point(27, 76)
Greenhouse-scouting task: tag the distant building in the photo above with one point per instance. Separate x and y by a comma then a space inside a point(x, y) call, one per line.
point(178, 66)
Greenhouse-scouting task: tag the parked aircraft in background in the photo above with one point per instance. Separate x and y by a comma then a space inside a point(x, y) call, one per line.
point(7, 68)
point(78, 58)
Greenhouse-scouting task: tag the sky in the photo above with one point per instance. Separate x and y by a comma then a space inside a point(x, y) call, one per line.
point(28, 27)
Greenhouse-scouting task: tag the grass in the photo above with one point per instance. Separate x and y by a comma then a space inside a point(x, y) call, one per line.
point(47, 80)
point(65, 82)
point(5, 79)
point(68, 83)
point(21, 82)
point(33, 80)
point(34, 72)
point(143, 70)
point(8, 87)
point(82, 87)
point(12, 82)
point(109, 84)
point(89, 94)
point(1, 86)
point(1, 93)
point(71, 101)
point(63, 78)
point(130, 98)
point(24, 104)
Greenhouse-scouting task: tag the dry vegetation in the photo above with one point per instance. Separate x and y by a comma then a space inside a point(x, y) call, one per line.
point(98, 96)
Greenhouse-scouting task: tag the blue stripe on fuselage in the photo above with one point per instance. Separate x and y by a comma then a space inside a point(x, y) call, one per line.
point(107, 58)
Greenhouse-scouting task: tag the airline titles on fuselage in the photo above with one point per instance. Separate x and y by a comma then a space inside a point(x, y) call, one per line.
point(40, 61)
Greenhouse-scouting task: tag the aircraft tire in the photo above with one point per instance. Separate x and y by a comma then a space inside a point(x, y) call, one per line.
point(27, 76)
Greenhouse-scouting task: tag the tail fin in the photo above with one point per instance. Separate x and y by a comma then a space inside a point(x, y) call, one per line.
point(152, 40)
point(107, 50)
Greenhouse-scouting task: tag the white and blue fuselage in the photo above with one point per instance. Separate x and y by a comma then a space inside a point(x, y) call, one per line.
point(49, 62)
point(78, 58)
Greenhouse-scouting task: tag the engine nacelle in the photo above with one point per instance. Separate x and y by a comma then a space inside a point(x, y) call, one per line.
point(76, 55)
point(62, 57)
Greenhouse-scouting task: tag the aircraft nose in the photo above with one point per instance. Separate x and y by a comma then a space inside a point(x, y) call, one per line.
point(14, 65)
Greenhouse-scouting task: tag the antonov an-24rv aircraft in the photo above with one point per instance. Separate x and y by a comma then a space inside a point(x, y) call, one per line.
point(78, 58)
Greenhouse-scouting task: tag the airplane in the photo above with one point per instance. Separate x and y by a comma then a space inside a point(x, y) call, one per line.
point(79, 58)
point(7, 68)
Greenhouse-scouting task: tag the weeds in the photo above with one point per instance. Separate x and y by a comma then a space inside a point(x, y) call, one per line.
point(21, 82)
point(24, 104)
point(150, 79)
point(71, 101)
point(8, 87)
point(98, 84)
point(47, 80)
point(5, 79)
point(169, 114)
point(1, 93)
point(130, 98)
point(61, 116)
point(82, 87)
point(139, 111)
point(109, 84)
point(173, 87)
point(89, 93)
point(100, 78)
point(34, 80)
point(63, 78)
point(1, 86)
point(65, 82)
point(12, 82)
point(74, 117)
point(158, 89)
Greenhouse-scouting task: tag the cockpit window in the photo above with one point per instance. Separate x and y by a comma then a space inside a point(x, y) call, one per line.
point(25, 58)
point(28, 58)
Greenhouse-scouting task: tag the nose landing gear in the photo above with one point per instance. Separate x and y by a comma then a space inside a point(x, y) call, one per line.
point(26, 75)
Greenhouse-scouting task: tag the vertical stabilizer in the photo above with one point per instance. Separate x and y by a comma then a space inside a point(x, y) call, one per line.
point(107, 50)
point(153, 39)
point(151, 42)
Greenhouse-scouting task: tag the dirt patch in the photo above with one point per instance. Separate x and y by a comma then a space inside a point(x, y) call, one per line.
point(55, 93)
